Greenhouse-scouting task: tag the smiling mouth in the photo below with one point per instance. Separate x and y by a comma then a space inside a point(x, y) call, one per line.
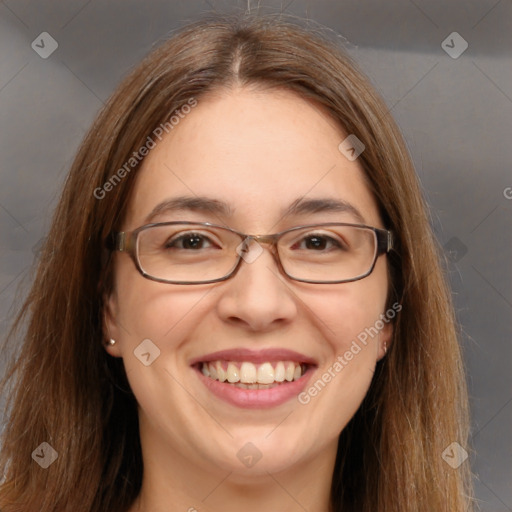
point(248, 375)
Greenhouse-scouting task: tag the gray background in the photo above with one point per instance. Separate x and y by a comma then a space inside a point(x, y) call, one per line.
point(455, 113)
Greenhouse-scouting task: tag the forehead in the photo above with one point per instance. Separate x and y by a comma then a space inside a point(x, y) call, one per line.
point(258, 152)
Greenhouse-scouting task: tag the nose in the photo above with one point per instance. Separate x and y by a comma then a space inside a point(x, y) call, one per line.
point(258, 297)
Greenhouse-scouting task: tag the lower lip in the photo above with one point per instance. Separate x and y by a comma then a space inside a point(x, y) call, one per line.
point(255, 398)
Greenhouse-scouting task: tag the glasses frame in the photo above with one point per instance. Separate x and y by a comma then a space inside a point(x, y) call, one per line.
point(126, 241)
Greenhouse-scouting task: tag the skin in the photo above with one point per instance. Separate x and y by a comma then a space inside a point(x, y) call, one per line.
point(257, 151)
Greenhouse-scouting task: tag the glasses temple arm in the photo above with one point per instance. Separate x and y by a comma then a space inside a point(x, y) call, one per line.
point(385, 240)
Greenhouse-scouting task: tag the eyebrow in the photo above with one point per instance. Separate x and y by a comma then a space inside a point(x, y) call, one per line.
point(300, 206)
point(328, 205)
point(193, 204)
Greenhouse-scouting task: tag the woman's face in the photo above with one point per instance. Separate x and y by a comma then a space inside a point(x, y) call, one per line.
point(257, 154)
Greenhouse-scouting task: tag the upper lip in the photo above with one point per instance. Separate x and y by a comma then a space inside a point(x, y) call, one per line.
point(255, 356)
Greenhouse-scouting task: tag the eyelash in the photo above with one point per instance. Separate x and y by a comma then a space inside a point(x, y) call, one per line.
point(185, 236)
point(327, 239)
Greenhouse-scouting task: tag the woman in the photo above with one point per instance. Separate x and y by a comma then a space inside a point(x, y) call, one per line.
point(173, 362)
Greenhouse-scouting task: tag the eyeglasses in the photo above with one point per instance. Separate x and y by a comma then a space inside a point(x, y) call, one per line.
point(201, 253)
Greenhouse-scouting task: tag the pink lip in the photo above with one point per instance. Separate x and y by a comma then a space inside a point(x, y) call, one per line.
point(255, 356)
point(255, 398)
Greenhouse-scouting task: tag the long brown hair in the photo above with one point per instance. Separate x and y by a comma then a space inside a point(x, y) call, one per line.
point(65, 390)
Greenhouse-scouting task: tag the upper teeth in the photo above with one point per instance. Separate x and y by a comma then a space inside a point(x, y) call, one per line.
point(249, 373)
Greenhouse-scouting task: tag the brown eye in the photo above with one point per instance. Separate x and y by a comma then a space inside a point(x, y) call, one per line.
point(315, 242)
point(191, 241)
point(318, 243)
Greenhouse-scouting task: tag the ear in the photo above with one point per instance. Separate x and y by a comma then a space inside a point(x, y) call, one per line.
point(384, 340)
point(111, 327)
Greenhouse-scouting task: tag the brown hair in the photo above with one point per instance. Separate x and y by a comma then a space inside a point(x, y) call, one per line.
point(67, 391)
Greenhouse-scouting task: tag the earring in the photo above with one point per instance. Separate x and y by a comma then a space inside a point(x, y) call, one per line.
point(385, 347)
point(111, 342)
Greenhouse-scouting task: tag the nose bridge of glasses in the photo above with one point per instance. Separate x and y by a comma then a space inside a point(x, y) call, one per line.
point(262, 239)
point(269, 240)
point(259, 240)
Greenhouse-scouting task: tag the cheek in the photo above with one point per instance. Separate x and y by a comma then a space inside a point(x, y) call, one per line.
point(348, 317)
point(156, 318)
point(148, 309)
point(351, 309)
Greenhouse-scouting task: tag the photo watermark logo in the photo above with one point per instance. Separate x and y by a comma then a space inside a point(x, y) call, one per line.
point(343, 360)
point(138, 156)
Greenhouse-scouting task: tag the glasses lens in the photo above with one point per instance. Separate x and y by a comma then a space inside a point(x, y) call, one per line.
point(187, 252)
point(328, 253)
point(193, 253)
